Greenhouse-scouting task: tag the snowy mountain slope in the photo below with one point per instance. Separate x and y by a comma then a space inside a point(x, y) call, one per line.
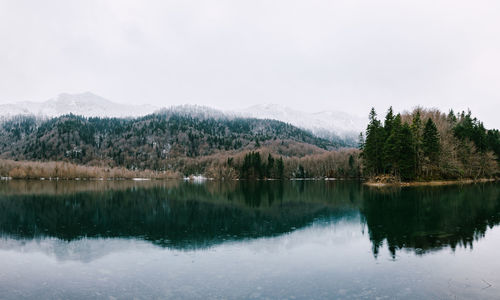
point(331, 125)
point(85, 104)
point(197, 111)
point(326, 124)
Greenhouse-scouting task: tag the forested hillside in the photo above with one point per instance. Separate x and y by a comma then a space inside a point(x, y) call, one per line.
point(157, 141)
point(427, 144)
point(419, 145)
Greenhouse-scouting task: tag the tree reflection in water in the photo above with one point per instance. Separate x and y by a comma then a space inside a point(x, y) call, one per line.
point(424, 219)
point(186, 216)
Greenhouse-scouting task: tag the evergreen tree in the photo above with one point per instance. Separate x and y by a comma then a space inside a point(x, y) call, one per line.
point(374, 144)
point(270, 166)
point(280, 168)
point(351, 162)
point(417, 132)
point(407, 156)
point(301, 172)
point(361, 141)
point(472, 129)
point(451, 117)
point(352, 170)
point(252, 167)
point(410, 151)
point(399, 151)
point(388, 123)
point(430, 141)
point(392, 147)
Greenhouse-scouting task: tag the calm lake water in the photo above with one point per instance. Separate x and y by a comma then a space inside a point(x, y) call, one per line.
point(248, 240)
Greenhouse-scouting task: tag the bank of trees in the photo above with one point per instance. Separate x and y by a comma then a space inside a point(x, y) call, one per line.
point(427, 144)
point(254, 167)
point(64, 170)
point(173, 142)
point(267, 164)
point(151, 142)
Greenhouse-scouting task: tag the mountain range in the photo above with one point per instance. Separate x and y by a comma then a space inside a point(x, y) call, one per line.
point(164, 140)
point(85, 104)
point(331, 125)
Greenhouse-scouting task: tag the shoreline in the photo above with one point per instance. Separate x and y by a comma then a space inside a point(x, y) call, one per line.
point(191, 178)
point(429, 183)
point(52, 179)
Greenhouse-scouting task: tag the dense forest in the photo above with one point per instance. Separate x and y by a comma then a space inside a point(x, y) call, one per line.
point(170, 141)
point(413, 146)
point(429, 145)
point(146, 142)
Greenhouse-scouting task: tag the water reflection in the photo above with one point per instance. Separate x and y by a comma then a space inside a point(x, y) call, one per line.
point(184, 216)
point(428, 219)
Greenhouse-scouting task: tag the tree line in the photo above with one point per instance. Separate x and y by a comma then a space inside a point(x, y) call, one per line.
point(254, 167)
point(428, 144)
point(264, 164)
point(165, 142)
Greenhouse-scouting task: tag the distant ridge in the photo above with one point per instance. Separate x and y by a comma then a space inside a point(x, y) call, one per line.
point(325, 124)
point(331, 125)
point(85, 104)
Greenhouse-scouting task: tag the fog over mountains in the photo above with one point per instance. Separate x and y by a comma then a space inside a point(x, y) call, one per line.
point(325, 124)
point(86, 104)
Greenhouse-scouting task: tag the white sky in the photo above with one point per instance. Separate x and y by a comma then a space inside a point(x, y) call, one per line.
point(311, 55)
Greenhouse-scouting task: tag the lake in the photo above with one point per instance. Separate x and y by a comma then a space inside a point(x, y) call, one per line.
point(247, 240)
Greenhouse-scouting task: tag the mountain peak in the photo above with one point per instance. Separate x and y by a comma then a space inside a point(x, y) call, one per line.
point(80, 99)
point(86, 104)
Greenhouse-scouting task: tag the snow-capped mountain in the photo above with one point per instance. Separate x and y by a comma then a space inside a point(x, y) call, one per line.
point(326, 124)
point(85, 104)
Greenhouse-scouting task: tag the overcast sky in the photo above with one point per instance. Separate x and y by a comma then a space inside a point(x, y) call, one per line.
point(310, 55)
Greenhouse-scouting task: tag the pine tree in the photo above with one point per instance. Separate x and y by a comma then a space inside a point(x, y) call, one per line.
point(280, 168)
point(472, 129)
point(301, 172)
point(407, 155)
point(388, 123)
point(479, 136)
point(392, 147)
point(417, 132)
point(374, 143)
point(361, 141)
point(411, 151)
point(252, 167)
point(270, 166)
point(257, 165)
point(430, 142)
point(399, 151)
point(352, 170)
point(493, 138)
point(451, 117)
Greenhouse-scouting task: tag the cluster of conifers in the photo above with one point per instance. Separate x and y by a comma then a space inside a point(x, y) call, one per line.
point(427, 144)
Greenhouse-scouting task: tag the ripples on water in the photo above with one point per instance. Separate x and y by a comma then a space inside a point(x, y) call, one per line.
point(310, 240)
